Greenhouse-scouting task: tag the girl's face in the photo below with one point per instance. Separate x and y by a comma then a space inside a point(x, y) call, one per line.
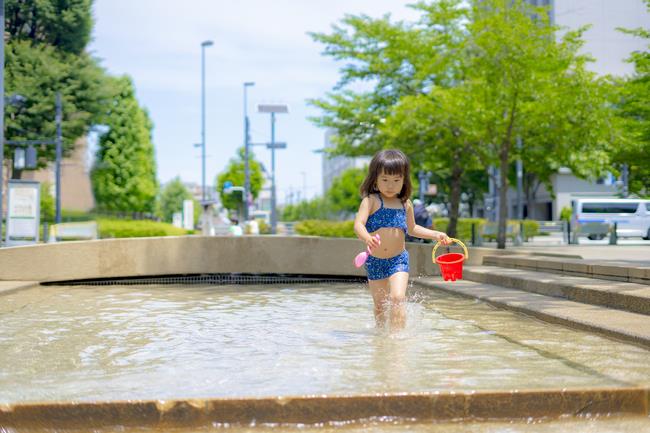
point(390, 185)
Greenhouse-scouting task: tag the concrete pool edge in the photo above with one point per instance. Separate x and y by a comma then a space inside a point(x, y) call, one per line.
point(620, 325)
point(175, 255)
point(440, 406)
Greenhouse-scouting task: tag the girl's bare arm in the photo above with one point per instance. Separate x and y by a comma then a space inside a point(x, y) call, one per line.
point(360, 223)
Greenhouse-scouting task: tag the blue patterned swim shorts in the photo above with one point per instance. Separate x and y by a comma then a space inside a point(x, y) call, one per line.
point(379, 269)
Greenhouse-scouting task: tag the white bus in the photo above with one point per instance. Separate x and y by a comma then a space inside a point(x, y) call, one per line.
point(632, 216)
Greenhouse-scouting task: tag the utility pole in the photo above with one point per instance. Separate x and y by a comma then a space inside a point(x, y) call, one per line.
point(204, 44)
point(59, 154)
point(247, 140)
point(520, 182)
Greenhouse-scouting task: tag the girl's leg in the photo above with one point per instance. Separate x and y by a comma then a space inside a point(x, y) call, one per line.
point(379, 290)
point(398, 284)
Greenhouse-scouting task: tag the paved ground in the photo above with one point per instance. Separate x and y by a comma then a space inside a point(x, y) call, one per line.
point(638, 254)
point(633, 250)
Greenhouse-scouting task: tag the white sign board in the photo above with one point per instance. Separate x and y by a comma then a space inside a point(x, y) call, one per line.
point(177, 219)
point(188, 214)
point(23, 212)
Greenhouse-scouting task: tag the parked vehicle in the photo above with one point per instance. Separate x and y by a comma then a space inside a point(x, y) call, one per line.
point(632, 216)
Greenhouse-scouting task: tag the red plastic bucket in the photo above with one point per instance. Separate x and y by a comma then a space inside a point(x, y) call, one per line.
point(451, 264)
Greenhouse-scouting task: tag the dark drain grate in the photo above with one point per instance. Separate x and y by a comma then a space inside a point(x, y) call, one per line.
point(218, 279)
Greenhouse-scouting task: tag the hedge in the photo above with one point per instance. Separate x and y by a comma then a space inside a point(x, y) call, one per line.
point(330, 229)
point(111, 228)
point(464, 228)
point(345, 229)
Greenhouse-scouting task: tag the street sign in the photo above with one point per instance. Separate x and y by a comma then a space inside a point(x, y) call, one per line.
point(279, 145)
point(23, 212)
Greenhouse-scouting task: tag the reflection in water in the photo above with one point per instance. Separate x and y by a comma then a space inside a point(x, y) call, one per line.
point(148, 342)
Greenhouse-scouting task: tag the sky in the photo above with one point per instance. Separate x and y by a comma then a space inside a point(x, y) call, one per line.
point(158, 44)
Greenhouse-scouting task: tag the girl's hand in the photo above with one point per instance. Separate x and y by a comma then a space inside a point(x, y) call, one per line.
point(444, 239)
point(373, 242)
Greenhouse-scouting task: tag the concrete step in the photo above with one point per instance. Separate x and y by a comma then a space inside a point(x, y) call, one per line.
point(614, 270)
point(625, 296)
point(623, 325)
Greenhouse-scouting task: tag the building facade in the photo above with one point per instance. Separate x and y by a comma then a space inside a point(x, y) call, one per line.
point(76, 189)
point(334, 166)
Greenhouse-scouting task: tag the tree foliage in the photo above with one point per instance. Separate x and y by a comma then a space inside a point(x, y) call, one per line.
point(47, 203)
point(37, 73)
point(124, 176)
point(343, 196)
point(455, 89)
point(45, 54)
point(171, 200)
point(65, 24)
point(635, 112)
point(317, 208)
point(235, 174)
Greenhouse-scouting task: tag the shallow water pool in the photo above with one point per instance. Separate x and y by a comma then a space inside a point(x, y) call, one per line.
point(90, 343)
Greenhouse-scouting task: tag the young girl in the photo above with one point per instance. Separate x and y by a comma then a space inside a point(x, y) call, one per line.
point(386, 210)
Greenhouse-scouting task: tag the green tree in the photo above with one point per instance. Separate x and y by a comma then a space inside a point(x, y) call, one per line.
point(47, 203)
point(171, 200)
point(412, 66)
point(124, 176)
point(316, 208)
point(457, 88)
point(635, 112)
point(343, 195)
point(532, 86)
point(65, 24)
point(38, 72)
point(45, 54)
point(234, 173)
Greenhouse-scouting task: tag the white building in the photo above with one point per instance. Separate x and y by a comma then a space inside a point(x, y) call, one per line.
point(334, 166)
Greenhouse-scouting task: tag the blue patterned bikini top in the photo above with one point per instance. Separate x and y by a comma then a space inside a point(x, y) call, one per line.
point(387, 217)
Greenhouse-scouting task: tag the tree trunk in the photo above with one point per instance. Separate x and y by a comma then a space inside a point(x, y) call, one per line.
point(503, 193)
point(454, 197)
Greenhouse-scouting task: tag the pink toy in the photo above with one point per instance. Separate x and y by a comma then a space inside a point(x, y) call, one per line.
point(361, 258)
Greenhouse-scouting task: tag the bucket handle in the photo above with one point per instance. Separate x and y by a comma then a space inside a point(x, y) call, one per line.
point(433, 253)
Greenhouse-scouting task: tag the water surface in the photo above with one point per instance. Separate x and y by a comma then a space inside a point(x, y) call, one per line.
point(160, 342)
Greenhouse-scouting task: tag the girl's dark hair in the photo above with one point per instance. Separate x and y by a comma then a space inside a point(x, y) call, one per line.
point(392, 162)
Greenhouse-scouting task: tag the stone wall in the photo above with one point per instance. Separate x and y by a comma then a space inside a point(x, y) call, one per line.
point(109, 258)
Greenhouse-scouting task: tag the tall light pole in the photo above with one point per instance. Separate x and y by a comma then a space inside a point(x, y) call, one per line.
point(247, 174)
point(273, 108)
point(204, 44)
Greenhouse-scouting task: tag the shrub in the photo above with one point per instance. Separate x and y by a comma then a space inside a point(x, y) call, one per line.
point(265, 228)
point(565, 213)
point(110, 228)
point(345, 229)
point(463, 228)
point(68, 215)
point(332, 229)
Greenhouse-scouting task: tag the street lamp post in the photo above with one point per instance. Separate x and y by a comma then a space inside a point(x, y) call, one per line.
point(247, 175)
point(204, 44)
point(273, 108)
